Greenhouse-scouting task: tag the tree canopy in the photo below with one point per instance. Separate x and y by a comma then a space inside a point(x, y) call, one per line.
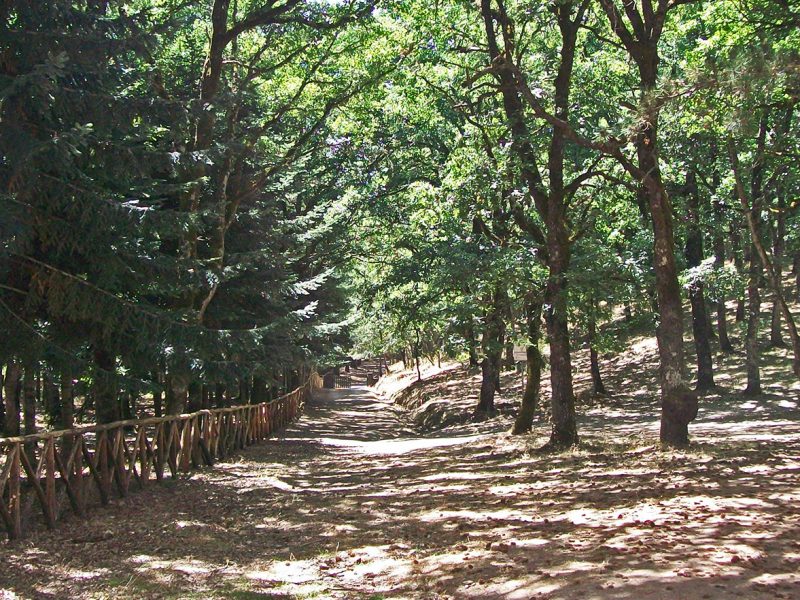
point(204, 200)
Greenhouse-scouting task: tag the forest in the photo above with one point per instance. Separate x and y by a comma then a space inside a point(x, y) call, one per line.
point(214, 204)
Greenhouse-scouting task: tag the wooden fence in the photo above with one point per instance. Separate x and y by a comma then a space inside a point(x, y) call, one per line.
point(73, 465)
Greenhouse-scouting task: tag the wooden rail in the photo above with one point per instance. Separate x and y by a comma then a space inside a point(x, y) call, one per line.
point(50, 468)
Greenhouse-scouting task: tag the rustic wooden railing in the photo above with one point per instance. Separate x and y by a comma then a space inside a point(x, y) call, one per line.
point(75, 464)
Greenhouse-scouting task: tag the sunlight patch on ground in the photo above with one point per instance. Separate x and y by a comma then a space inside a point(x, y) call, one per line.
point(297, 572)
point(188, 566)
point(465, 475)
point(398, 446)
point(495, 515)
point(80, 574)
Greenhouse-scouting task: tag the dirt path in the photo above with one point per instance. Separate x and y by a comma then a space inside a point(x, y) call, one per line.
point(348, 503)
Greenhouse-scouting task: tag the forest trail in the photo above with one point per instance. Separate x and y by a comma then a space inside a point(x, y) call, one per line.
point(349, 503)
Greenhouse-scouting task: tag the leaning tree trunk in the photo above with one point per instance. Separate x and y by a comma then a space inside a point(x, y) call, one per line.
point(758, 251)
point(533, 374)
point(694, 256)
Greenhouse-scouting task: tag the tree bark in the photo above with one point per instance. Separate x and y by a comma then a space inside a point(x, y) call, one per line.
point(52, 401)
point(678, 403)
point(219, 395)
point(533, 369)
point(492, 352)
point(751, 337)
point(739, 258)
point(29, 407)
point(549, 201)
point(67, 400)
point(694, 257)
point(106, 395)
point(562, 400)
point(2, 402)
point(11, 394)
point(725, 345)
point(796, 267)
point(177, 394)
point(775, 333)
point(472, 346)
point(594, 364)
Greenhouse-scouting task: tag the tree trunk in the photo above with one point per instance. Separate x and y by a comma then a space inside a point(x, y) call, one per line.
point(797, 275)
point(775, 334)
point(594, 364)
point(259, 390)
point(128, 404)
point(52, 402)
point(751, 338)
point(678, 404)
point(758, 251)
point(29, 408)
point(67, 410)
point(194, 398)
point(67, 400)
point(2, 402)
point(486, 400)
point(739, 258)
point(562, 400)
point(416, 355)
point(472, 346)
point(158, 403)
point(694, 256)
point(725, 345)
point(492, 352)
point(509, 357)
point(533, 375)
point(106, 395)
point(177, 389)
point(11, 394)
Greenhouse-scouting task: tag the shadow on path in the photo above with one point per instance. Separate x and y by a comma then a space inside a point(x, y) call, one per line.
point(350, 503)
